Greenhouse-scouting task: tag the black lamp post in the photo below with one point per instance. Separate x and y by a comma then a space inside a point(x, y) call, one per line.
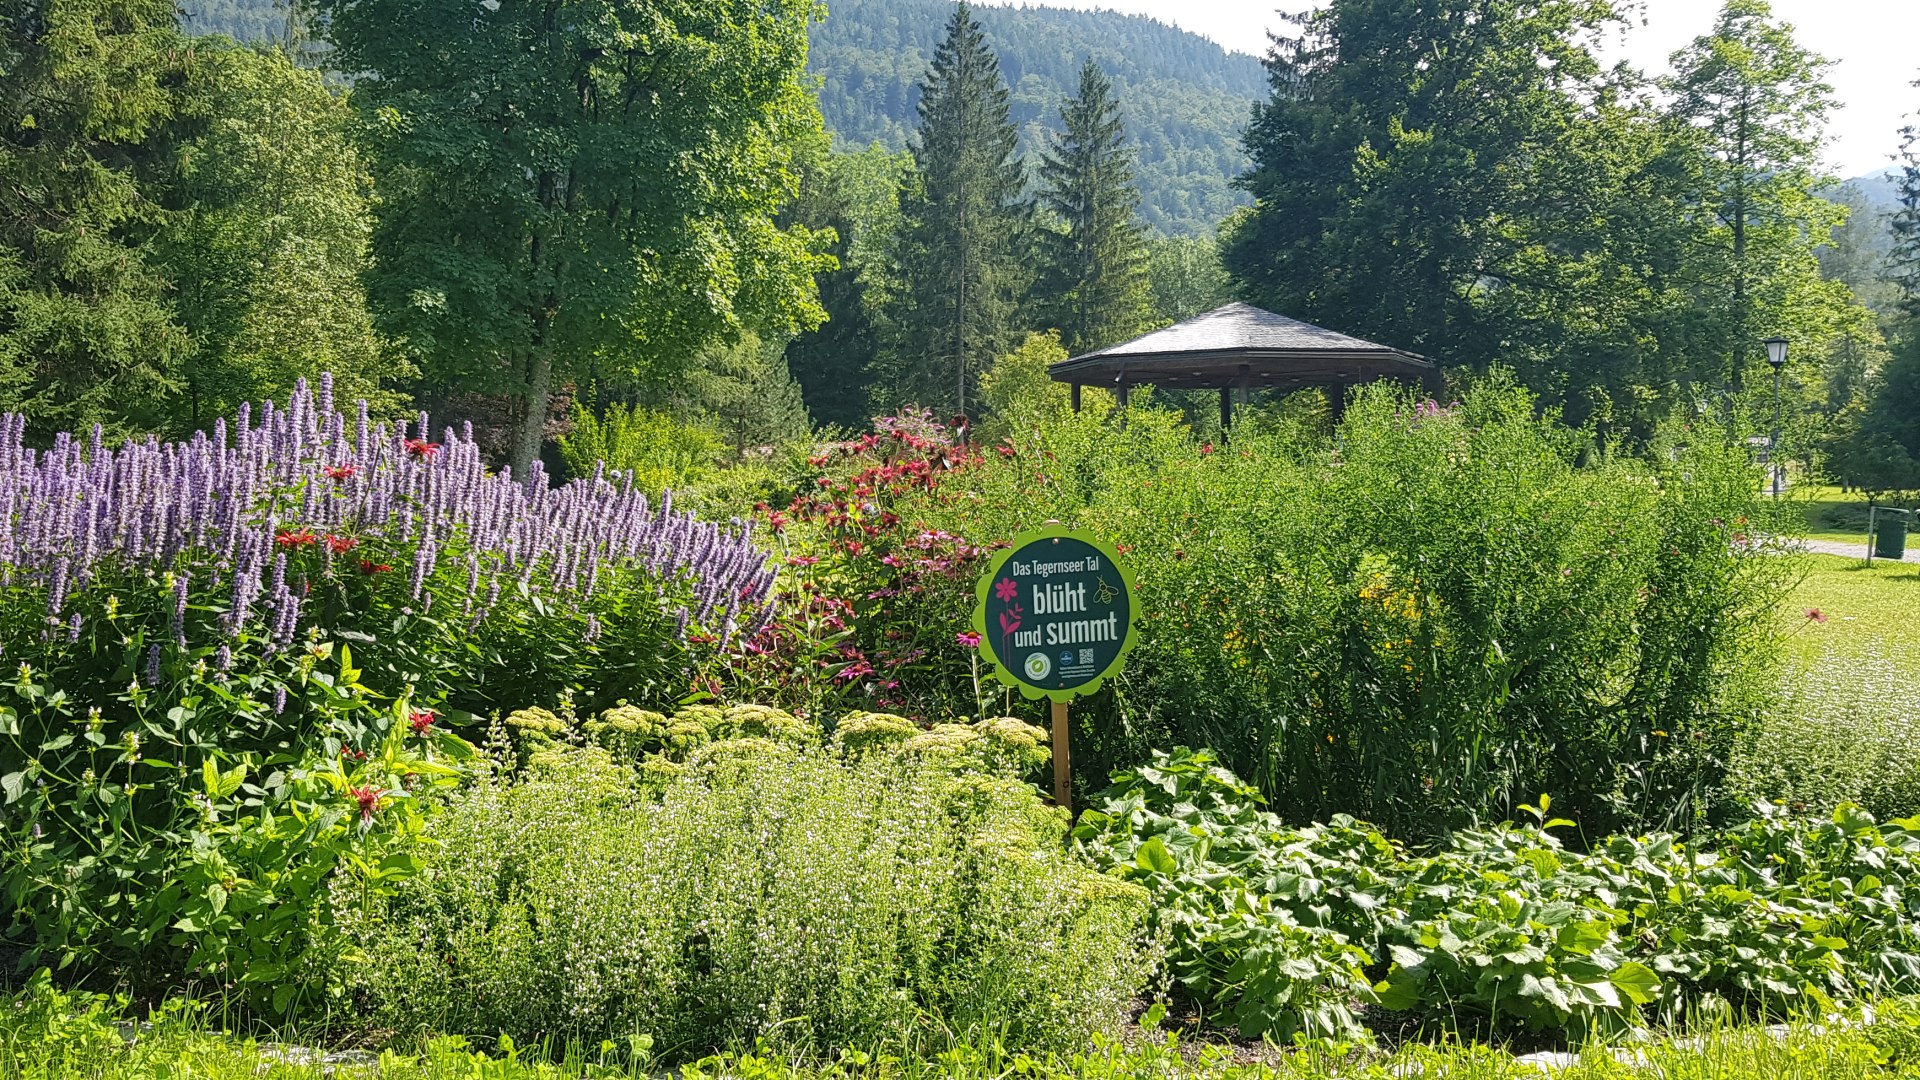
point(1777, 358)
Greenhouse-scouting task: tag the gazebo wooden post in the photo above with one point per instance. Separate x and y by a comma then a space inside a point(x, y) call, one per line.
point(1076, 397)
point(1122, 391)
point(1226, 411)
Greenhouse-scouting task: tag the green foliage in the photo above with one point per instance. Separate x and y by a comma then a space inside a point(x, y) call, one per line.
point(86, 332)
point(269, 243)
point(959, 255)
point(660, 451)
point(1444, 612)
point(1185, 277)
point(509, 256)
point(1559, 232)
point(1092, 277)
point(857, 195)
point(765, 893)
point(1505, 926)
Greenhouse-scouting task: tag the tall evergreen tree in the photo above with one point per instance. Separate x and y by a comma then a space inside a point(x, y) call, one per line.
point(959, 256)
point(88, 91)
point(1093, 283)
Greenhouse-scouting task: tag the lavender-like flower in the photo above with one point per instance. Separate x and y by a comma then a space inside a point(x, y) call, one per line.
point(273, 484)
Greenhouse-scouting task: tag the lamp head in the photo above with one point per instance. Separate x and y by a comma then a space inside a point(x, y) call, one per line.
point(1776, 351)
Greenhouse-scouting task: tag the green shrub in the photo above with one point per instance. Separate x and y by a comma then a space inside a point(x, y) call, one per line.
point(768, 891)
point(1505, 926)
point(662, 452)
point(1844, 731)
point(1446, 612)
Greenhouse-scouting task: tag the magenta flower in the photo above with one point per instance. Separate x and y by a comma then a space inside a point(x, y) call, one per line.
point(969, 638)
point(1006, 590)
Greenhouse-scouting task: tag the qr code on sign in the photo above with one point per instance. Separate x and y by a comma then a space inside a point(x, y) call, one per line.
point(1086, 656)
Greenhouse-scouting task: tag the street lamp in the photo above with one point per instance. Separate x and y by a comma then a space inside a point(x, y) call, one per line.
point(1777, 357)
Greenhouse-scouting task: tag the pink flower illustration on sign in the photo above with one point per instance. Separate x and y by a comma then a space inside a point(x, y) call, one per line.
point(1010, 619)
point(1005, 589)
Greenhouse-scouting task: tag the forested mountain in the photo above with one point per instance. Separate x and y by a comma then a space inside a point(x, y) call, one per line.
point(1184, 98)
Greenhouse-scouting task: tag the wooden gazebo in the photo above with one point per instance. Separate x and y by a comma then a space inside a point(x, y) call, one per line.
point(1243, 348)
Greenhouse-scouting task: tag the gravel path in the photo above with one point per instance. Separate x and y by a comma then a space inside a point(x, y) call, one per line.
point(1859, 550)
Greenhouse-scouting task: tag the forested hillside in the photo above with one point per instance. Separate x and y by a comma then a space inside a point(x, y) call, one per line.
point(1184, 98)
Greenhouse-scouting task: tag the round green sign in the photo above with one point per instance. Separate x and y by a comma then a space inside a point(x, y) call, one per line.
point(1056, 613)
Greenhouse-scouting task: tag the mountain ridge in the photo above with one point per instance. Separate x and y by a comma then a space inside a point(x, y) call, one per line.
point(1185, 98)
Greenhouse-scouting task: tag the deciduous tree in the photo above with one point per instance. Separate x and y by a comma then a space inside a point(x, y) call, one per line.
point(572, 183)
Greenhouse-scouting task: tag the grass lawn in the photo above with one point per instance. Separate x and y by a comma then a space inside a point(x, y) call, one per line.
point(1882, 1042)
point(1831, 514)
point(1870, 610)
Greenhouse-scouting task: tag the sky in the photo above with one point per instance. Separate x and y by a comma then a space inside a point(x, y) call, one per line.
point(1871, 42)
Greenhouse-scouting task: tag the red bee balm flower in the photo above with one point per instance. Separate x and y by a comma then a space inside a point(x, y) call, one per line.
point(337, 473)
point(421, 448)
point(369, 799)
point(369, 567)
point(340, 545)
point(289, 540)
point(420, 721)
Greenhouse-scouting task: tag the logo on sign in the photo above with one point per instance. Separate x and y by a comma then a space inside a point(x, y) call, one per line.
point(1039, 667)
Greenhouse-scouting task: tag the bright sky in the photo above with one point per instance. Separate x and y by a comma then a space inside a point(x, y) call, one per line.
point(1871, 40)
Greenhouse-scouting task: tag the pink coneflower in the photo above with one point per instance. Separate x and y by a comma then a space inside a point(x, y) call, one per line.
point(969, 638)
point(1814, 614)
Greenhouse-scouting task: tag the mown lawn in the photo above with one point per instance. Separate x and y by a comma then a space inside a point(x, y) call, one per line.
point(1869, 611)
point(1831, 514)
point(1878, 1042)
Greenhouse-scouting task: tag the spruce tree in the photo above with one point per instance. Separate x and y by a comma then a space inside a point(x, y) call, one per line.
point(958, 256)
point(1093, 283)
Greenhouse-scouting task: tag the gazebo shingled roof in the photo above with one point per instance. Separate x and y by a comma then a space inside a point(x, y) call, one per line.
point(1241, 347)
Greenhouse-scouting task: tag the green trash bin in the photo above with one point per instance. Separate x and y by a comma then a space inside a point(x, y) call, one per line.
point(1890, 536)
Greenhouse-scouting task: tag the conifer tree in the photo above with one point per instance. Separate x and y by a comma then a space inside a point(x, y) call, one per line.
point(1093, 284)
point(958, 256)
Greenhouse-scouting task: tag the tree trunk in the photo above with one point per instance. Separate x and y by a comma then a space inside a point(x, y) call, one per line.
point(531, 433)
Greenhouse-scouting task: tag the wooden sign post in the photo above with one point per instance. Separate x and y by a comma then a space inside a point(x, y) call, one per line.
point(1056, 617)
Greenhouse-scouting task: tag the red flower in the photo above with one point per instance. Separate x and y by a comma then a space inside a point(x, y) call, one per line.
point(369, 799)
point(1814, 614)
point(340, 545)
point(421, 448)
point(854, 547)
point(288, 539)
point(803, 560)
point(1005, 451)
point(1006, 590)
point(969, 638)
point(337, 473)
point(1205, 449)
point(420, 721)
point(369, 567)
